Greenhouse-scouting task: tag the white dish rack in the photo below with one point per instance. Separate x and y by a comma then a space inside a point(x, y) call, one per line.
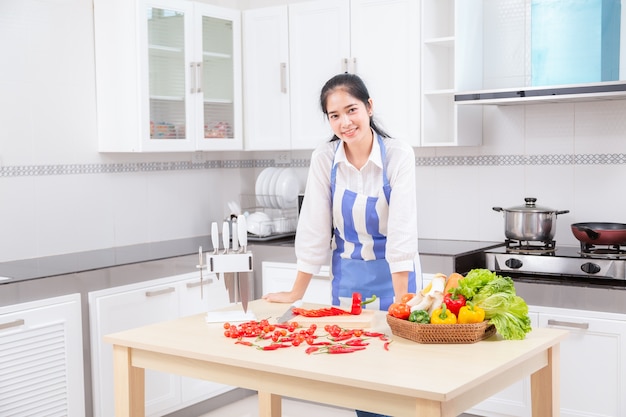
point(282, 223)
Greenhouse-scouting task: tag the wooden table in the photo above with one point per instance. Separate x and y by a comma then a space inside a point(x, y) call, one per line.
point(410, 379)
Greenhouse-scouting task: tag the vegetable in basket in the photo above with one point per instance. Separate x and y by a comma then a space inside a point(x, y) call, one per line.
point(496, 295)
point(442, 316)
point(420, 316)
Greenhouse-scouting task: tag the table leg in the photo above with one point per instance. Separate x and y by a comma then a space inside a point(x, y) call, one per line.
point(544, 386)
point(270, 405)
point(129, 383)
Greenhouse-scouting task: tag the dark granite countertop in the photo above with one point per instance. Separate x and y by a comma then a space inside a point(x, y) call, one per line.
point(26, 269)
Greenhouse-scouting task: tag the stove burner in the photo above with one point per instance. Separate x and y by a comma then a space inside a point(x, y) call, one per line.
point(525, 247)
point(589, 250)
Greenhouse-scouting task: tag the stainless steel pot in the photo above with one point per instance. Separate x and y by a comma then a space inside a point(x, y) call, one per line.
point(530, 222)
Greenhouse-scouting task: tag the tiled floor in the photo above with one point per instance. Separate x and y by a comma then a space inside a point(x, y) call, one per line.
point(248, 407)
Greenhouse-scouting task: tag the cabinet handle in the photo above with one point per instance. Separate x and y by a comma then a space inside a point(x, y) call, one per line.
point(160, 292)
point(199, 77)
point(15, 323)
point(583, 326)
point(283, 77)
point(198, 283)
point(344, 67)
point(192, 75)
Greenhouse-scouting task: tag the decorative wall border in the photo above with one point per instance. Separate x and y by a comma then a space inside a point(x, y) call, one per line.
point(128, 167)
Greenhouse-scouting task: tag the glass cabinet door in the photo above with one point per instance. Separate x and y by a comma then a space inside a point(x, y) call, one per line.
point(167, 50)
point(217, 78)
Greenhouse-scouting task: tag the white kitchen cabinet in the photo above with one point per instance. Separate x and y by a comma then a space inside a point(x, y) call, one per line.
point(452, 45)
point(592, 365)
point(121, 308)
point(283, 75)
point(168, 76)
point(41, 357)
point(280, 276)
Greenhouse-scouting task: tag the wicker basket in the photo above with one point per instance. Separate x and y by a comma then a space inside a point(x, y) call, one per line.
point(440, 333)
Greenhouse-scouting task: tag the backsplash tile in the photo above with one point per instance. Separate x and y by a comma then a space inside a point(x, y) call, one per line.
point(484, 160)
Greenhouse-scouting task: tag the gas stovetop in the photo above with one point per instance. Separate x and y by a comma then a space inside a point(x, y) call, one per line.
point(561, 261)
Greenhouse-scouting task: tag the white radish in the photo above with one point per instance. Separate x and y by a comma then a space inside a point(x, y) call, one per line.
point(415, 300)
point(437, 301)
point(424, 304)
point(438, 284)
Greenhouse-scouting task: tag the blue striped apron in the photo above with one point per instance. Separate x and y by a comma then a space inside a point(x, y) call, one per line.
point(360, 227)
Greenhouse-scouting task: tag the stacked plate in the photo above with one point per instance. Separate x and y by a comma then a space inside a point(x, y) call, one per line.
point(277, 188)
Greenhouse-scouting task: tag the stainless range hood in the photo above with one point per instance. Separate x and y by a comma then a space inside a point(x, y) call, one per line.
point(544, 94)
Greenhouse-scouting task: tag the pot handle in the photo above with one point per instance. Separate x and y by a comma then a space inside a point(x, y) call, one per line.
point(562, 212)
point(593, 235)
point(497, 209)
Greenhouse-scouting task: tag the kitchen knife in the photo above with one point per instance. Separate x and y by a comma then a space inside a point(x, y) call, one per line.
point(289, 314)
point(226, 236)
point(215, 239)
point(242, 232)
point(201, 266)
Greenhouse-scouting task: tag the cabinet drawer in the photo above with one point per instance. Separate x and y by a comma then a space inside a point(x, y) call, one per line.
point(281, 276)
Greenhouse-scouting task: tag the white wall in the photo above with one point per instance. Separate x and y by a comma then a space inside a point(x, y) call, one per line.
point(47, 127)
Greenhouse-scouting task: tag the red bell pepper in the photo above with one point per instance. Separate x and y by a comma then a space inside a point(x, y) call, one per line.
point(454, 302)
point(358, 303)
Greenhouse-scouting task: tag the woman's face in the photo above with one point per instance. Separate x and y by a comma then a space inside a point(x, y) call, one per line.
point(349, 117)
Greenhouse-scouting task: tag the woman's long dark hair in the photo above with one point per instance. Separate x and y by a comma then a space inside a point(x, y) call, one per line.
point(353, 85)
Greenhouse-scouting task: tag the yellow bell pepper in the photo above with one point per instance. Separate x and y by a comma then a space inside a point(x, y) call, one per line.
point(442, 316)
point(470, 313)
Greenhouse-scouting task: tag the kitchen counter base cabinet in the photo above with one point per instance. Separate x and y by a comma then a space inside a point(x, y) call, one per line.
point(279, 276)
point(41, 358)
point(593, 367)
point(129, 306)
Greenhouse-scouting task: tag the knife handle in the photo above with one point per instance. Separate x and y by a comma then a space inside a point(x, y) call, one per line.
point(242, 231)
point(234, 236)
point(215, 237)
point(226, 236)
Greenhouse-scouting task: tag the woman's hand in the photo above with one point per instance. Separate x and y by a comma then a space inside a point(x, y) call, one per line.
point(281, 297)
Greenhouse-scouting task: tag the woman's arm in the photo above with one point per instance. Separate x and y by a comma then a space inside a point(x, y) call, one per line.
point(400, 282)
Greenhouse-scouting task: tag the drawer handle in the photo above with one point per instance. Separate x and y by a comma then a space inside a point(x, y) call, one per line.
point(15, 323)
point(283, 77)
point(198, 283)
point(583, 326)
point(160, 292)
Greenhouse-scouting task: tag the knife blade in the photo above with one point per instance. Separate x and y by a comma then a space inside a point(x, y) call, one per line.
point(215, 239)
point(244, 289)
point(289, 314)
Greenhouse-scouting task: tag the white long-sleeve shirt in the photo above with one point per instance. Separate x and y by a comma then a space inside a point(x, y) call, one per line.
point(313, 236)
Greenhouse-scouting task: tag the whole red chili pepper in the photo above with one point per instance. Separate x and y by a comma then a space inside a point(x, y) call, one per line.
point(356, 342)
point(454, 302)
point(243, 342)
point(311, 349)
point(344, 349)
point(358, 303)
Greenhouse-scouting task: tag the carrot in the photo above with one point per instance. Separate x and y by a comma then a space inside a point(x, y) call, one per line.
point(452, 282)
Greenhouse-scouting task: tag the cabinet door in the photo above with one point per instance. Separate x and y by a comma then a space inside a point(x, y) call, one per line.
point(218, 100)
point(593, 369)
point(385, 47)
point(125, 309)
point(281, 276)
point(168, 76)
point(197, 298)
point(319, 48)
point(266, 78)
point(41, 357)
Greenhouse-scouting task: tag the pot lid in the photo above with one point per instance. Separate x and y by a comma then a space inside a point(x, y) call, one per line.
point(530, 207)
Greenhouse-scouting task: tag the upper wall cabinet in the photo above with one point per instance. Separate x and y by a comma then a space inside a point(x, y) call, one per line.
point(283, 75)
point(168, 76)
point(451, 42)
